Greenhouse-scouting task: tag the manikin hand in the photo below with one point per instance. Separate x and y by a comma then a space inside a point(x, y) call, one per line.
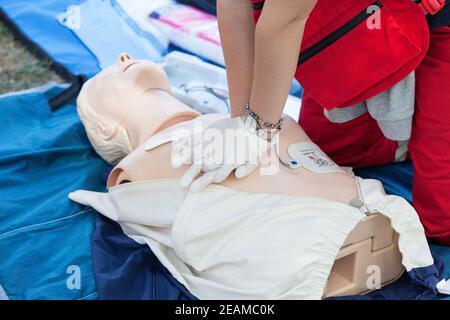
point(226, 145)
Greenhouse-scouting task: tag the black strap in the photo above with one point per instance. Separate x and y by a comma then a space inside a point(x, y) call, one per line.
point(338, 34)
point(258, 5)
point(441, 19)
point(63, 98)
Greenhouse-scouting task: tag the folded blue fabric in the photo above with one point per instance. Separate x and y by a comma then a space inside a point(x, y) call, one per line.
point(107, 33)
point(37, 21)
point(396, 178)
point(127, 270)
point(45, 239)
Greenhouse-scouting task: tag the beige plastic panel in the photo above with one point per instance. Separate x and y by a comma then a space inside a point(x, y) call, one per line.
point(371, 249)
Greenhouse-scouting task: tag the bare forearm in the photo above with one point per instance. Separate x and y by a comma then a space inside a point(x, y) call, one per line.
point(277, 42)
point(237, 32)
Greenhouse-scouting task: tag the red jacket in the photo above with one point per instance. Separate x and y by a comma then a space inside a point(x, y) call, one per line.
point(350, 52)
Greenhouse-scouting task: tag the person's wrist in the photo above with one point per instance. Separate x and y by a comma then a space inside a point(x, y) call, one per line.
point(262, 129)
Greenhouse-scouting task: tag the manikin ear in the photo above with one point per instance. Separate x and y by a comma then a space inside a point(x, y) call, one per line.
point(114, 177)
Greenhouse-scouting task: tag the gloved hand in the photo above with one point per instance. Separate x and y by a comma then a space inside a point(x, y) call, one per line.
point(226, 145)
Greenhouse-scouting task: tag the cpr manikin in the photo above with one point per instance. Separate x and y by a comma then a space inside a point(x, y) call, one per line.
point(307, 231)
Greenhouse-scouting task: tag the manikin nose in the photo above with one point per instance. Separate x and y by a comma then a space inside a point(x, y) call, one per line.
point(125, 60)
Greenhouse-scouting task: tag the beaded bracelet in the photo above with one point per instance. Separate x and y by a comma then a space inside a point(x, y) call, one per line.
point(263, 129)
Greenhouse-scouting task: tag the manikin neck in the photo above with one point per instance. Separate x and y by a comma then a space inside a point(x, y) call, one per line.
point(154, 110)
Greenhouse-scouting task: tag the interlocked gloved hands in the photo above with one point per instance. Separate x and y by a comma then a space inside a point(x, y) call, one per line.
point(226, 145)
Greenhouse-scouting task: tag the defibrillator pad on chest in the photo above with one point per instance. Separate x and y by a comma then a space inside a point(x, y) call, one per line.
point(309, 156)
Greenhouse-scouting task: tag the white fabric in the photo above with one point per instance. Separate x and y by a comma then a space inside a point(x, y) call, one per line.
point(190, 29)
point(226, 244)
point(412, 242)
point(443, 287)
point(201, 85)
point(260, 246)
point(186, 72)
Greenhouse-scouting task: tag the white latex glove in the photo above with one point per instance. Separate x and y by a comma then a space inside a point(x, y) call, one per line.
point(226, 145)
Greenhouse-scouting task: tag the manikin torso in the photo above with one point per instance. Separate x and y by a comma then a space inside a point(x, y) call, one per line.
point(136, 95)
point(155, 164)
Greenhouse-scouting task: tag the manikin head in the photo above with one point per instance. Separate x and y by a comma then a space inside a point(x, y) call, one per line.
point(127, 103)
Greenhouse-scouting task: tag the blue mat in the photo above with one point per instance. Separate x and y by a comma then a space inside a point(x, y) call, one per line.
point(45, 239)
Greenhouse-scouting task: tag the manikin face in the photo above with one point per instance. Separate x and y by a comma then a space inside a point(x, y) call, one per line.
point(114, 90)
point(143, 74)
point(126, 103)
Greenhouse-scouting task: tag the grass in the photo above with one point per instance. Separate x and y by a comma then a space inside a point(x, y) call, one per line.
point(19, 69)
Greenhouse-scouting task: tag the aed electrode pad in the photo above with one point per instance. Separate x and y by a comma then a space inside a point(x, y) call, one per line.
point(309, 156)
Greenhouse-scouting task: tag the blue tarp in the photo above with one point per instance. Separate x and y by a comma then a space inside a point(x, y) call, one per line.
point(45, 239)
